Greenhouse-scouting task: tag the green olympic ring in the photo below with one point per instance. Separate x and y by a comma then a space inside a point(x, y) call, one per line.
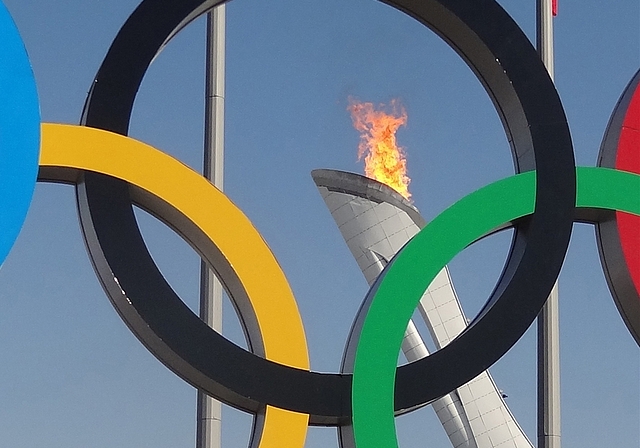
point(395, 295)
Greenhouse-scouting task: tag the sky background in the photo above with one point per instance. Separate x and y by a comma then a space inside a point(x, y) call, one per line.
point(72, 375)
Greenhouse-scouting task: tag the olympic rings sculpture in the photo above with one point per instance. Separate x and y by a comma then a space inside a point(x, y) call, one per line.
point(112, 171)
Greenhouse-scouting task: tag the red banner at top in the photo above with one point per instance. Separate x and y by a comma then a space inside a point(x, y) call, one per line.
point(554, 7)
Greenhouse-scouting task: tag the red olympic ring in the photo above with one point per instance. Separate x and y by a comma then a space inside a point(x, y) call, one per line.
point(619, 237)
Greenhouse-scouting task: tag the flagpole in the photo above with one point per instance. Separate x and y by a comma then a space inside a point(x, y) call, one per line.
point(209, 410)
point(548, 322)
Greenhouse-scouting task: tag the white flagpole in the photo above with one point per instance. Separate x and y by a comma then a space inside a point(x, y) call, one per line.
point(548, 324)
point(209, 410)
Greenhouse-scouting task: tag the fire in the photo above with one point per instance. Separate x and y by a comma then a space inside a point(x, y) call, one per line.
point(384, 161)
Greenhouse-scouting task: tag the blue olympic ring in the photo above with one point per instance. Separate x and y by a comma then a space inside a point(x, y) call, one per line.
point(19, 132)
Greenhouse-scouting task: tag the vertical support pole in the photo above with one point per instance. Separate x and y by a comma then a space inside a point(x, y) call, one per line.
point(549, 374)
point(209, 410)
point(548, 322)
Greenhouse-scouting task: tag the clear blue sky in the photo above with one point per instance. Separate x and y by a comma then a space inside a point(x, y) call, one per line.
point(72, 375)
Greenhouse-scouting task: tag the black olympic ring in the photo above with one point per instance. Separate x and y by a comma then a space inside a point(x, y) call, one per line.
point(507, 65)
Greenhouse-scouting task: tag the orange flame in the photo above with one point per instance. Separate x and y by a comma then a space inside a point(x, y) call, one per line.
point(385, 161)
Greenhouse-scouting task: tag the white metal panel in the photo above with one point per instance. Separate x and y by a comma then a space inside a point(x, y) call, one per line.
point(475, 415)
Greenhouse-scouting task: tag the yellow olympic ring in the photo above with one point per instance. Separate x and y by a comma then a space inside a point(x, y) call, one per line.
point(67, 149)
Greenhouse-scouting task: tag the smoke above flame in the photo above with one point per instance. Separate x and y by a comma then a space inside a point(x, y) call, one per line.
point(384, 160)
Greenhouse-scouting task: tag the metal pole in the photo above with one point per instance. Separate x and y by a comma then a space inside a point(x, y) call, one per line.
point(548, 322)
point(209, 410)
